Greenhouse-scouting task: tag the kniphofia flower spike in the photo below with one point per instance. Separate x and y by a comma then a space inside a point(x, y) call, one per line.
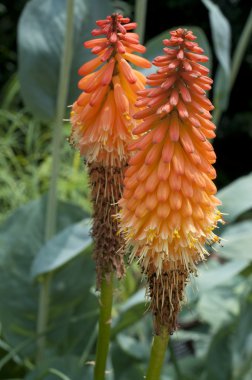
point(102, 123)
point(168, 208)
point(102, 115)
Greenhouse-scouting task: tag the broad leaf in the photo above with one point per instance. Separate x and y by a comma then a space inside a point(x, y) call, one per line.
point(220, 275)
point(132, 347)
point(126, 366)
point(41, 33)
point(242, 343)
point(221, 32)
point(73, 307)
point(61, 248)
point(236, 198)
point(219, 357)
point(222, 299)
point(237, 241)
point(130, 312)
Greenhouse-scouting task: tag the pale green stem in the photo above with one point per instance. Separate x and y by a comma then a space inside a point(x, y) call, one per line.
point(140, 17)
point(106, 300)
point(51, 212)
point(237, 59)
point(158, 350)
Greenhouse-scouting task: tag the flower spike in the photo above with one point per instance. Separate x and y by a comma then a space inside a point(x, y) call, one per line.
point(102, 123)
point(102, 115)
point(168, 209)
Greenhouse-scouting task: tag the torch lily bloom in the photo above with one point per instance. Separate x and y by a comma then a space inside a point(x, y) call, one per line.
point(168, 209)
point(102, 115)
point(102, 125)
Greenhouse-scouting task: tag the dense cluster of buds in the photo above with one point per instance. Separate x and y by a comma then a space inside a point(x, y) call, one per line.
point(102, 116)
point(168, 209)
point(102, 125)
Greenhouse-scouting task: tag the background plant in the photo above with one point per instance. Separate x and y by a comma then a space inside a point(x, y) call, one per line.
point(214, 341)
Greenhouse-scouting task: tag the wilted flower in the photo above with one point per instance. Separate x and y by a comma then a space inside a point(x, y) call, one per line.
point(168, 209)
point(102, 123)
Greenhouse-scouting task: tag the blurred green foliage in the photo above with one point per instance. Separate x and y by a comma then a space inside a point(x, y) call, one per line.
point(25, 162)
point(214, 341)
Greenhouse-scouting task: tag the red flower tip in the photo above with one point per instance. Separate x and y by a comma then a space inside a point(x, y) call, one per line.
point(113, 25)
point(180, 81)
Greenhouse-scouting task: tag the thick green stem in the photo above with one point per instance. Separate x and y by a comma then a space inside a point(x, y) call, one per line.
point(158, 349)
point(106, 300)
point(140, 17)
point(51, 212)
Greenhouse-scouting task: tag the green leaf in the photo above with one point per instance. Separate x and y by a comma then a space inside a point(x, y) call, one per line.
point(61, 248)
point(13, 352)
point(58, 373)
point(221, 32)
point(221, 89)
point(135, 372)
point(10, 91)
point(191, 367)
point(65, 368)
point(219, 357)
point(125, 366)
point(211, 278)
point(155, 45)
point(236, 198)
point(222, 299)
point(40, 42)
point(132, 347)
point(130, 312)
point(73, 307)
point(242, 342)
point(237, 241)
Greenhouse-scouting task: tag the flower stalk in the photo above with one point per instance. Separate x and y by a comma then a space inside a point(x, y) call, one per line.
point(106, 300)
point(158, 350)
point(51, 211)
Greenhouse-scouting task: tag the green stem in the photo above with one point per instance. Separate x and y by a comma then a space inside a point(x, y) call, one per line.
point(158, 349)
point(51, 212)
point(140, 17)
point(106, 300)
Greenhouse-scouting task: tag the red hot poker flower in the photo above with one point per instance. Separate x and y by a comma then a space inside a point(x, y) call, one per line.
point(102, 116)
point(168, 208)
point(102, 125)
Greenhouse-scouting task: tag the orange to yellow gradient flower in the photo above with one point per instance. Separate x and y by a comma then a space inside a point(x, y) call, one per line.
point(168, 209)
point(102, 125)
point(102, 115)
